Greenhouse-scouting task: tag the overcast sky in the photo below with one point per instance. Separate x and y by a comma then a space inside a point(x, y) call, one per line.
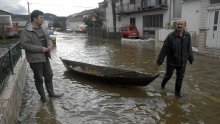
point(57, 7)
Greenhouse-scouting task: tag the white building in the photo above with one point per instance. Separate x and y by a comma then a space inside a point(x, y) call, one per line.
point(147, 15)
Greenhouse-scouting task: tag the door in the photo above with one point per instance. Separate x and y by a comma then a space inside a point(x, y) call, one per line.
point(132, 21)
point(213, 35)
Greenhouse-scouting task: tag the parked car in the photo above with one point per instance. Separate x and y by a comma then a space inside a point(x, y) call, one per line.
point(129, 32)
point(81, 28)
point(52, 36)
point(69, 30)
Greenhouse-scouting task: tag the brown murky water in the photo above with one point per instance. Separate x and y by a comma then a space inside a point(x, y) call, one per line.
point(89, 102)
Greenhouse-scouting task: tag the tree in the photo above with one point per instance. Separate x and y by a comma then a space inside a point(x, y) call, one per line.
point(88, 20)
point(60, 22)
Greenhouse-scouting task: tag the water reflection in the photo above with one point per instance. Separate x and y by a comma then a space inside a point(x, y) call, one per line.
point(46, 114)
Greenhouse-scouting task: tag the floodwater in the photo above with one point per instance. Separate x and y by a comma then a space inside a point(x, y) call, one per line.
point(88, 102)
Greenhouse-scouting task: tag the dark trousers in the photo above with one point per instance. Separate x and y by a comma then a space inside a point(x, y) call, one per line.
point(40, 70)
point(180, 70)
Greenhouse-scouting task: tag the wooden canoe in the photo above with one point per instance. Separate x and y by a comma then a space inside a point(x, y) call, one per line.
point(109, 74)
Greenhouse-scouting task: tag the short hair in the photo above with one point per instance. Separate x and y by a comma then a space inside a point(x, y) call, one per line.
point(35, 14)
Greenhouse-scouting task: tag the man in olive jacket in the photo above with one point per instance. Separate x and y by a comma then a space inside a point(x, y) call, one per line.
point(37, 47)
point(177, 48)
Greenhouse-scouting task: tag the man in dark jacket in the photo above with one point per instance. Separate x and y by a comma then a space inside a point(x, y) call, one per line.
point(37, 47)
point(177, 48)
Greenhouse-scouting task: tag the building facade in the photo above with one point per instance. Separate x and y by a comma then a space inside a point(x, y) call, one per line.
point(209, 37)
point(146, 15)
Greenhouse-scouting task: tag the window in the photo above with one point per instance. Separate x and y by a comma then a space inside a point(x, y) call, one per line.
point(121, 2)
point(132, 21)
point(216, 17)
point(216, 21)
point(132, 1)
point(153, 21)
point(119, 18)
point(214, 1)
point(177, 8)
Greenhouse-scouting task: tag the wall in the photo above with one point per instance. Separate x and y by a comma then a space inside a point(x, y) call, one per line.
point(11, 96)
point(191, 12)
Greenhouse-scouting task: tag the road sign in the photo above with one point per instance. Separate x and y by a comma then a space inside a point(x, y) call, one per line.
point(94, 19)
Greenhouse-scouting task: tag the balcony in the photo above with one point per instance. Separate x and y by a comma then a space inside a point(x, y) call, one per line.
point(141, 6)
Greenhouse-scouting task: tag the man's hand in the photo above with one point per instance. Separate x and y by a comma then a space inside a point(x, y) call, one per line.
point(49, 48)
point(44, 49)
point(155, 69)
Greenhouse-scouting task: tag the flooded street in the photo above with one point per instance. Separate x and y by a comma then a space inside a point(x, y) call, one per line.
point(88, 102)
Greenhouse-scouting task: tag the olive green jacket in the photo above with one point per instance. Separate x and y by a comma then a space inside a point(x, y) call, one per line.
point(32, 44)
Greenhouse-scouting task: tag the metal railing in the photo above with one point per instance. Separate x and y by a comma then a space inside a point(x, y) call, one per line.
point(8, 60)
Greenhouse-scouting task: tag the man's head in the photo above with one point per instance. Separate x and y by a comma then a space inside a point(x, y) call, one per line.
point(37, 16)
point(181, 24)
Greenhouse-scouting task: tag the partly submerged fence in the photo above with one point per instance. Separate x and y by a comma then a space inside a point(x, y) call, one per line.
point(107, 33)
point(163, 33)
point(8, 60)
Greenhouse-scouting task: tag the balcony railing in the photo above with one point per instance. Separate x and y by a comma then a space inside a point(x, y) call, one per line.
point(141, 6)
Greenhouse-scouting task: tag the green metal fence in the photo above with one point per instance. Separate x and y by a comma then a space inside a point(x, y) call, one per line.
point(7, 63)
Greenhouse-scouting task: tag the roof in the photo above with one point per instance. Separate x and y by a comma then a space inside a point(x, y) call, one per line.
point(20, 18)
point(2, 12)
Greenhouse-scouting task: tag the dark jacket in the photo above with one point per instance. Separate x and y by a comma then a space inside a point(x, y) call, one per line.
point(33, 46)
point(177, 49)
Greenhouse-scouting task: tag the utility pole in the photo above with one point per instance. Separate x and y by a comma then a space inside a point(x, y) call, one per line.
point(29, 10)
